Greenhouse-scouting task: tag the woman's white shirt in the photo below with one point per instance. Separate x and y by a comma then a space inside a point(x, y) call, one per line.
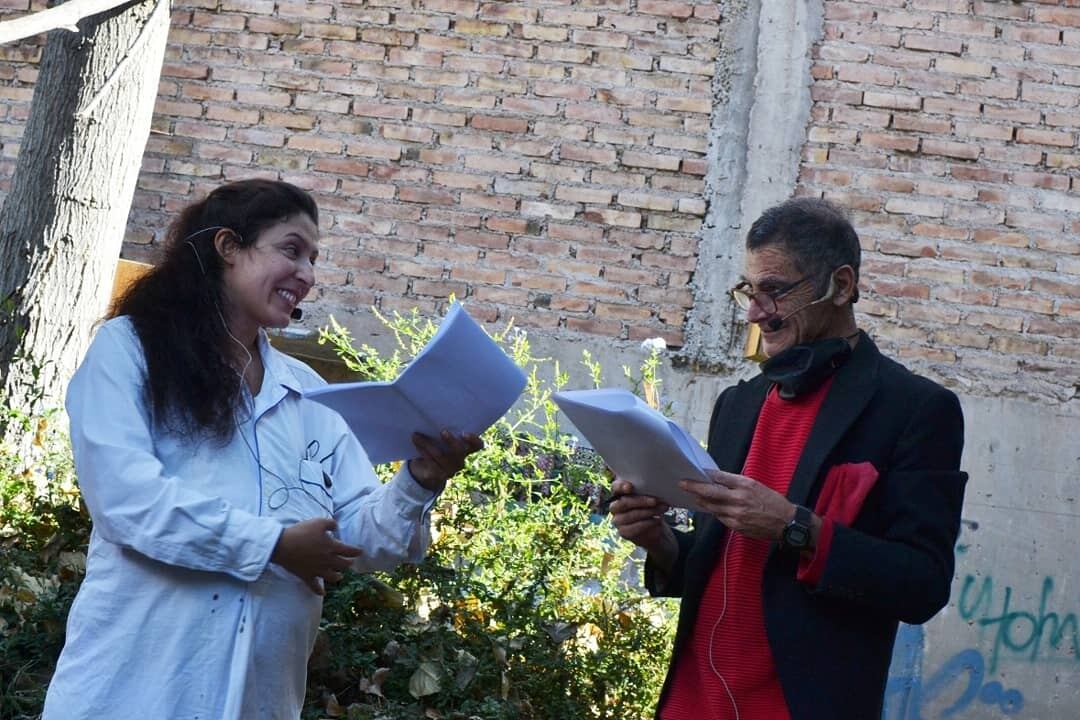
point(182, 614)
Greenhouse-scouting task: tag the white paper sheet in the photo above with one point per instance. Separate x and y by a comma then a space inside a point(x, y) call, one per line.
point(460, 381)
point(638, 443)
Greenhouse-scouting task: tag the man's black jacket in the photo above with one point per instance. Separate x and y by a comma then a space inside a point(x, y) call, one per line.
point(832, 643)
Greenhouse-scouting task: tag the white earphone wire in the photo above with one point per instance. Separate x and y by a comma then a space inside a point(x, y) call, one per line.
point(712, 633)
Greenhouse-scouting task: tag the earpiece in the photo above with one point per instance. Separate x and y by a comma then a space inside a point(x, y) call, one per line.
point(777, 323)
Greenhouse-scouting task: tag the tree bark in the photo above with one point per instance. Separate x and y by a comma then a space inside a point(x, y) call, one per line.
point(62, 224)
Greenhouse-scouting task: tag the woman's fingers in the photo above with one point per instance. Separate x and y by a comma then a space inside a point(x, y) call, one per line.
point(349, 551)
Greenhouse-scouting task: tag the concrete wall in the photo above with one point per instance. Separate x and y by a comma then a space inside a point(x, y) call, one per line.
point(1009, 642)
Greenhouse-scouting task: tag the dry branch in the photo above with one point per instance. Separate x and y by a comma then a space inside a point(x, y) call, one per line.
point(63, 16)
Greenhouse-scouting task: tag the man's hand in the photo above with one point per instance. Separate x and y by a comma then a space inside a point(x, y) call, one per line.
point(640, 519)
point(743, 504)
point(310, 552)
point(438, 462)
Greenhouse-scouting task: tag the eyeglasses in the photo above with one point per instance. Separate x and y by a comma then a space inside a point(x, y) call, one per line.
point(766, 300)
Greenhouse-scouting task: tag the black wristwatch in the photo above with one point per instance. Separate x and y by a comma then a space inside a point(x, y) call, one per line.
point(796, 534)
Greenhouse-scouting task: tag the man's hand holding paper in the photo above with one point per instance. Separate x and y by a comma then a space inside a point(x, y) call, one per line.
point(742, 504)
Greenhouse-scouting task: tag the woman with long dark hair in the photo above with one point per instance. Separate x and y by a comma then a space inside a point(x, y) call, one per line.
point(222, 501)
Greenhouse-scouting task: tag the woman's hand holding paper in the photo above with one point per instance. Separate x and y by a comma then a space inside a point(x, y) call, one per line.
point(439, 461)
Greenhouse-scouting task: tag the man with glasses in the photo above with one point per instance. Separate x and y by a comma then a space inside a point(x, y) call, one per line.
point(835, 510)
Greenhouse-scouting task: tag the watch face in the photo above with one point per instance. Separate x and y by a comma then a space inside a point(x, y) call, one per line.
point(796, 536)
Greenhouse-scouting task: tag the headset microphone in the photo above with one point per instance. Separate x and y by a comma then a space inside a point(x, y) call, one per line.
point(777, 323)
point(296, 314)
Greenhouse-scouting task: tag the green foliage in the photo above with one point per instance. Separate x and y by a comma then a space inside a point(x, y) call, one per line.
point(526, 607)
point(43, 536)
point(527, 604)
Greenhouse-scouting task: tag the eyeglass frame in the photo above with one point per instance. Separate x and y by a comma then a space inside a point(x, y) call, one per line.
point(743, 299)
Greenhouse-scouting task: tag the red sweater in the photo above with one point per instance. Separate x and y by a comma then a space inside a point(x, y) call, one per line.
point(727, 662)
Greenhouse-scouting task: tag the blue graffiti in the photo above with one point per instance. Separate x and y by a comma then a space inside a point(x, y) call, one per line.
point(908, 692)
point(1019, 631)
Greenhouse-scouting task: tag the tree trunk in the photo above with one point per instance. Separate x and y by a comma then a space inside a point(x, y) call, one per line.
point(62, 224)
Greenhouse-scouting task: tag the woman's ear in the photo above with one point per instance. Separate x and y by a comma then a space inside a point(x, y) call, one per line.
point(226, 245)
point(846, 286)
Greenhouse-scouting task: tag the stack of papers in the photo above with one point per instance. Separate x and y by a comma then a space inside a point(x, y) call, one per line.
point(638, 443)
point(461, 381)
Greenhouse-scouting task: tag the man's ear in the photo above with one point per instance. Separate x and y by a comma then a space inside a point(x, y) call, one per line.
point(847, 290)
point(226, 245)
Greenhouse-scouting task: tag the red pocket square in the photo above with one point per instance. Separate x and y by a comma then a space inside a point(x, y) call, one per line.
point(846, 487)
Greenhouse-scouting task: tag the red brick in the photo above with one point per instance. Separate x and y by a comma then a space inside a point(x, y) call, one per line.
point(913, 206)
point(844, 53)
point(499, 123)
point(965, 26)
point(888, 183)
point(963, 296)
point(842, 136)
point(1015, 33)
point(903, 143)
point(866, 73)
point(1003, 89)
point(921, 123)
point(950, 149)
point(984, 130)
point(892, 100)
point(1057, 16)
point(969, 254)
point(928, 83)
point(1045, 137)
point(951, 106)
point(902, 59)
point(871, 36)
point(607, 328)
point(933, 43)
point(1034, 92)
point(898, 289)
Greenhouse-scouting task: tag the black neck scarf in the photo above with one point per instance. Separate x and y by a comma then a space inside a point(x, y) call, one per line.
point(802, 368)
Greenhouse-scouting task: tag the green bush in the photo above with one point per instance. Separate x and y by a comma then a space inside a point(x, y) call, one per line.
point(43, 538)
point(527, 605)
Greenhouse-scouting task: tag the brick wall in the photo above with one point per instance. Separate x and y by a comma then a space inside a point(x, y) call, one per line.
point(951, 127)
point(543, 160)
point(546, 160)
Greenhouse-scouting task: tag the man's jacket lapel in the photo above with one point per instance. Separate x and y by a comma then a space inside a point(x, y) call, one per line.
point(851, 391)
